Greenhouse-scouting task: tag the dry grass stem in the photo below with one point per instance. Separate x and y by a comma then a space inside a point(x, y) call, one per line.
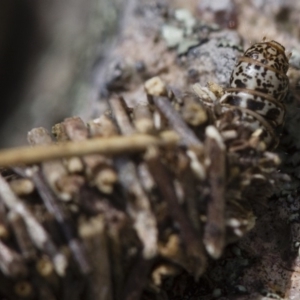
point(106, 146)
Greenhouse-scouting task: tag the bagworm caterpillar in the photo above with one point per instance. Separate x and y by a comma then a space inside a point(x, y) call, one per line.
point(258, 86)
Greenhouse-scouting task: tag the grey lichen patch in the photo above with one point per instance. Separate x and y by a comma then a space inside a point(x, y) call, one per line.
point(183, 31)
point(187, 18)
point(187, 44)
point(213, 62)
point(172, 35)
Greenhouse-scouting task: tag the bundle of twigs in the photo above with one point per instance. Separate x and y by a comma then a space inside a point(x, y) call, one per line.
point(114, 207)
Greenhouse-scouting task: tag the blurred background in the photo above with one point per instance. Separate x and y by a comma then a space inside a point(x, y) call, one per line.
point(53, 54)
point(49, 51)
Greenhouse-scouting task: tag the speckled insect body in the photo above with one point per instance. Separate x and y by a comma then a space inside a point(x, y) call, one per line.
point(258, 86)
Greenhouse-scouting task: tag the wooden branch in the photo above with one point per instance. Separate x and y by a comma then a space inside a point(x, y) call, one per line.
point(106, 146)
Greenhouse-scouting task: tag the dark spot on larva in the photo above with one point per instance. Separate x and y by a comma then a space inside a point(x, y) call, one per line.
point(267, 85)
point(233, 100)
point(254, 55)
point(239, 83)
point(277, 66)
point(264, 73)
point(258, 81)
point(273, 114)
point(262, 90)
point(264, 61)
point(248, 67)
point(254, 105)
point(256, 67)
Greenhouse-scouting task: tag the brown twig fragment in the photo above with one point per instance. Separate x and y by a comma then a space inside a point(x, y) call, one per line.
point(143, 119)
point(214, 234)
point(37, 233)
point(4, 230)
point(45, 271)
point(22, 187)
point(138, 204)
point(193, 113)
point(102, 127)
point(64, 220)
point(11, 263)
point(192, 241)
point(106, 146)
point(95, 238)
point(98, 168)
point(120, 113)
point(189, 182)
point(52, 170)
point(62, 217)
point(157, 92)
point(24, 242)
point(176, 122)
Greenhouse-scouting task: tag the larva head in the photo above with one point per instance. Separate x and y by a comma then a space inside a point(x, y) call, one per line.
point(271, 54)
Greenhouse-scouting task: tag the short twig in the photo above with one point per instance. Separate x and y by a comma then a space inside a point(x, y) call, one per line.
point(63, 218)
point(187, 135)
point(22, 237)
point(11, 263)
point(214, 233)
point(120, 113)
